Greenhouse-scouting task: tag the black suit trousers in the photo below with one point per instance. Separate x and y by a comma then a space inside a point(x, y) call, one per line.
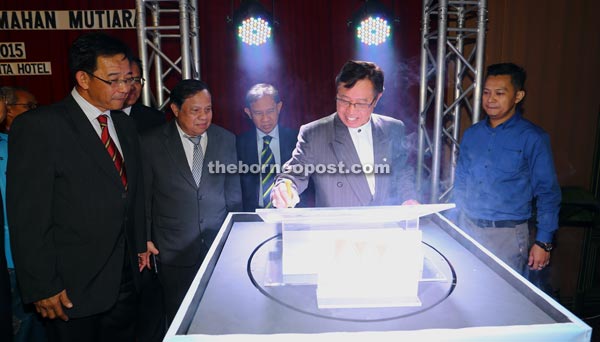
point(116, 324)
point(176, 281)
point(151, 323)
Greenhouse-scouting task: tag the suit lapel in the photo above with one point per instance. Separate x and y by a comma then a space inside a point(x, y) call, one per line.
point(345, 152)
point(126, 142)
point(90, 141)
point(252, 152)
point(175, 150)
point(213, 150)
point(288, 143)
point(381, 154)
point(251, 149)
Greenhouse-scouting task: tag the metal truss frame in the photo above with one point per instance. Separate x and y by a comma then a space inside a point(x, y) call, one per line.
point(452, 58)
point(151, 14)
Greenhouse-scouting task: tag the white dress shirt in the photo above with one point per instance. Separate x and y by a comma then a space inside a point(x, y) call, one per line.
point(274, 145)
point(188, 146)
point(362, 137)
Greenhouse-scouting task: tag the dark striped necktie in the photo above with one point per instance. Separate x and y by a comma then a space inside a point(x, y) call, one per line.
point(267, 161)
point(112, 149)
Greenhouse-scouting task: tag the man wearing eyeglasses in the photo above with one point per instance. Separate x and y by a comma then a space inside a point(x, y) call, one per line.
point(353, 156)
point(145, 117)
point(74, 200)
point(268, 143)
point(18, 101)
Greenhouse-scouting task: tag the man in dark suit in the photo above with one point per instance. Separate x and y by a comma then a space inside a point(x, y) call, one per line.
point(145, 117)
point(354, 157)
point(75, 200)
point(151, 324)
point(186, 200)
point(263, 106)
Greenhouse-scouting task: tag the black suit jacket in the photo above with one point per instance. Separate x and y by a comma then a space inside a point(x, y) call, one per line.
point(184, 219)
point(248, 154)
point(146, 118)
point(70, 217)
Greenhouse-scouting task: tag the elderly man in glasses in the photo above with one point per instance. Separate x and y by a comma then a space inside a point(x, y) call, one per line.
point(18, 101)
point(354, 157)
point(145, 117)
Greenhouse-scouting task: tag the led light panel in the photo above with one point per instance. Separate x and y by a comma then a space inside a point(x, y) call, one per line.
point(373, 31)
point(254, 31)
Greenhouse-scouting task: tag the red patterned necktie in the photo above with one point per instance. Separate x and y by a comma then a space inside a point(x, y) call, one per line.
point(112, 150)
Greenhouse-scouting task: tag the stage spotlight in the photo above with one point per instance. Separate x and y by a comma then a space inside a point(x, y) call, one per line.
point(373, 23)
point(373, 31)
point(253, 23)
point(254, 31)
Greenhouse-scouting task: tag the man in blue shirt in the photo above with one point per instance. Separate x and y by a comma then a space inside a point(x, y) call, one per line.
point(505, 164)
point(24, 324)
point(5, 299)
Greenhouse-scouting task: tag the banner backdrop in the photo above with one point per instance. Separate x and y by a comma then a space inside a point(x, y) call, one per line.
point(67, 20)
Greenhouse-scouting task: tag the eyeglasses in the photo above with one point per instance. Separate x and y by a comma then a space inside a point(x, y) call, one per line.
point(139, 80)
point(29, 105)
point(358, 106)
point(114, 83)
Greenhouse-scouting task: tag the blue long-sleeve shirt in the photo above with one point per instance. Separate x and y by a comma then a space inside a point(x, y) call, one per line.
point(3, 160)
point(501, 170)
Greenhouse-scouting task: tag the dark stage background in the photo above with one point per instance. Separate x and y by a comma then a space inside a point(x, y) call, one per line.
point(557, 41)
point(310, 44)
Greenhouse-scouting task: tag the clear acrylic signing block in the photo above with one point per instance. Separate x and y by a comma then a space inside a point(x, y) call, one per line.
point(407, 214)
point(306, 247)
point(376, 267)
point(357, 258)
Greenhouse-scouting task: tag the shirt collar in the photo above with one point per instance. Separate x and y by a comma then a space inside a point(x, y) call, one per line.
point(508, 123)
point(184, 135)
point(273, 134)
point(361, 128)
point(88, 109)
